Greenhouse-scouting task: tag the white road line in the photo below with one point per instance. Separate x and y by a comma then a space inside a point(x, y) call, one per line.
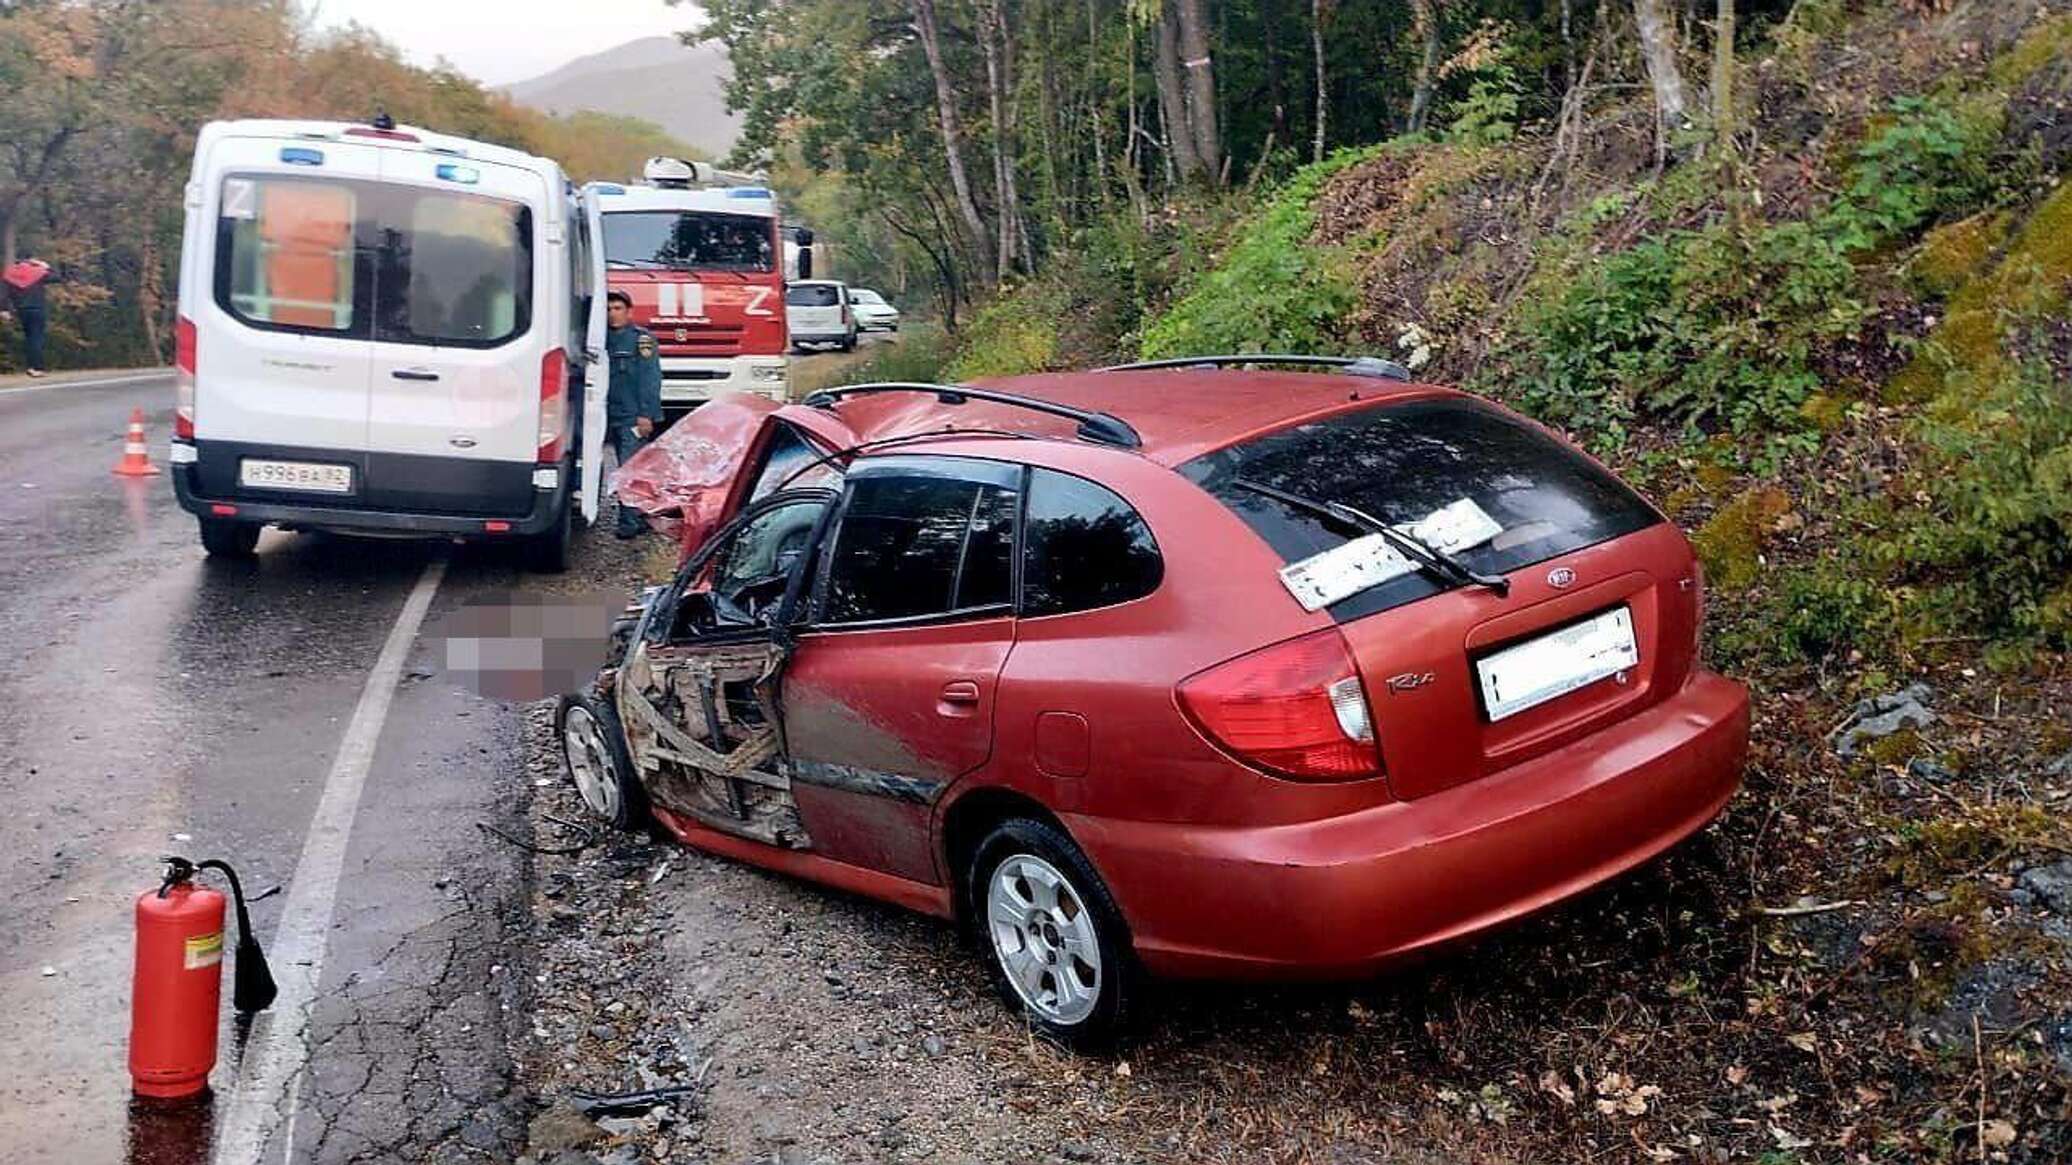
point(263, 1098)
point(19, 390)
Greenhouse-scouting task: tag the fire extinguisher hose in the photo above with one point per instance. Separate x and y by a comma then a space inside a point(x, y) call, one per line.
point(252, 988)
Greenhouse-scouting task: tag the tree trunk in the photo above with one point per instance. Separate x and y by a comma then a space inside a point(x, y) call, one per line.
point(1270, 23)
point(1658, 49)
point(1317, 11)
point(1199, 69)
point(1004, 215)
point(952, 133)
point(1723, 123)
point(1425, 17)
point(1172, 99)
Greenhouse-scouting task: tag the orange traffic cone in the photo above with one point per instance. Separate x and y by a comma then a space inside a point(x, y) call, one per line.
point(136, 456)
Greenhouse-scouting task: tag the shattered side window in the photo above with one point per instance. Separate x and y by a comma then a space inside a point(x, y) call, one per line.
point(789, 453)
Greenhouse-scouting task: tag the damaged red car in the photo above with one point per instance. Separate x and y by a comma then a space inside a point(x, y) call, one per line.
point(1211, 668)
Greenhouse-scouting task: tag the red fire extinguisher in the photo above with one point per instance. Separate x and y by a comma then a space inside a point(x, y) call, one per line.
point(178, 984)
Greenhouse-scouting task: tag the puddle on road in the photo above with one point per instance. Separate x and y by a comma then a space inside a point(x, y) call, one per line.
point(165, 1132)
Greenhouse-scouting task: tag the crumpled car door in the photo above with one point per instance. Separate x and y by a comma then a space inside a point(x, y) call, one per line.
point(697, 693)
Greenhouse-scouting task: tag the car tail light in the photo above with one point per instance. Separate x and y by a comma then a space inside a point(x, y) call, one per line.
point(184, 352)
point(1296, 709)
point(553, 405)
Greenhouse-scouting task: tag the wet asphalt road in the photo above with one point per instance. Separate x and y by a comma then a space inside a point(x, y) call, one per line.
point(158, 702)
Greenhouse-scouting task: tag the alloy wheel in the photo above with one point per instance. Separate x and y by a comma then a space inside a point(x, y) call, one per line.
point(1044, 937)
point(589, 761)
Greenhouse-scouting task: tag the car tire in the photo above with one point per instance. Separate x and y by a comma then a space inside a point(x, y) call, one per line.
point(228, 537)
point(1053, 940)
point(849, 342)
point(593, 751)
point(550, 550)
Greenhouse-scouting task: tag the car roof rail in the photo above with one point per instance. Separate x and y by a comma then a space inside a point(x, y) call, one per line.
point(1105, 428)
point(1373, 366)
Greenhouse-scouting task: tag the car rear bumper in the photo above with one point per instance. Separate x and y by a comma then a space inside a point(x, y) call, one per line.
point(1347, 895)
point(509, 502)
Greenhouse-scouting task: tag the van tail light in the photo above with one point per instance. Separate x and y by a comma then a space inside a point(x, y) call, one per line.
point(184, 352)
point(1296, 709)
point(553, 405)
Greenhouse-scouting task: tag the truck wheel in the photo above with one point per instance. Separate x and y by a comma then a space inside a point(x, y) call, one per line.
point(550, 550)
point(228, 537)
point(1053, 939)
point(593, 747)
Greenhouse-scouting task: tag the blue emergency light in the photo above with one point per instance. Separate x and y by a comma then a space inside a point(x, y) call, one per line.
point(610, 188)
point(748, 192)
point(450, 172)
point(301, 156)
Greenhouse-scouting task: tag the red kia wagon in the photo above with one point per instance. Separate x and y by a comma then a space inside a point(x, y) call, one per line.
point(1206, 668)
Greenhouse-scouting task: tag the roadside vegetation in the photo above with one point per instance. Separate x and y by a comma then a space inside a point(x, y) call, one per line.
point(1817, 311)
point(100, 101)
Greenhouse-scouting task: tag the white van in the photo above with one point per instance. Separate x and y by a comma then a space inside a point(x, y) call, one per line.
point(817, 312)
point(386, 331)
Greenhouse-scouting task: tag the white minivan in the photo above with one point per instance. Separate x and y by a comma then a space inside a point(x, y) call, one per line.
point(386, 331)
point(817, 312)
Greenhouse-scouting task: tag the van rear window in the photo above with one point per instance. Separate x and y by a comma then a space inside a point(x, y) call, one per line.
point(1404, 463)
point(367, 260)
point(812, 295)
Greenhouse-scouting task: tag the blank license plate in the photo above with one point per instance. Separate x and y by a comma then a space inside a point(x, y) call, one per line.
point(310, 476)
point(1536, 671)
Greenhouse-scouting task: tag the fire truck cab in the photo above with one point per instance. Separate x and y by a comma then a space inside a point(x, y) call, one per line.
point(701, 253)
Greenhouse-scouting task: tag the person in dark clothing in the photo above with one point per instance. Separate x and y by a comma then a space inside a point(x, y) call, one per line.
point(22, 296)
point(633, 408)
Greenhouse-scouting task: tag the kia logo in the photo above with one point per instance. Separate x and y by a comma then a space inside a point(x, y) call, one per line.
point(1560, 576)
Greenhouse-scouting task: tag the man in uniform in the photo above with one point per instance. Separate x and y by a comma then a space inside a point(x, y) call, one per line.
point(633, 408)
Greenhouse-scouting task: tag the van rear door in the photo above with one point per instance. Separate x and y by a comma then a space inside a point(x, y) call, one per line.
point(597, 376)
point(282, 322)
point(457, 342)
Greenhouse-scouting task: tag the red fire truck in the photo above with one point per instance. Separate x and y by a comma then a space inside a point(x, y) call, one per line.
point(703, 255)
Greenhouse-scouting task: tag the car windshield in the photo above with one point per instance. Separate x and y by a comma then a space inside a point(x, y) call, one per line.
point(812, 295)
point(867, 297)
point(1492, 490)
point(687, 240)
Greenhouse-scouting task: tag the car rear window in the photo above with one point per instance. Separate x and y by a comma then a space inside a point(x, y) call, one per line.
point(811, 295)
point(1402, 463)
point(367, 260)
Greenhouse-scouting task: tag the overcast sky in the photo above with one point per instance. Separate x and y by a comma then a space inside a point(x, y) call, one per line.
point(500, 41)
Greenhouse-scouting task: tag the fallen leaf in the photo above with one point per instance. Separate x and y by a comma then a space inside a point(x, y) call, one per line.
point(1737, 1075)
point(1552, 1085)
point(1803, 1041)
point(1996, 1134)
point(1122, 1068)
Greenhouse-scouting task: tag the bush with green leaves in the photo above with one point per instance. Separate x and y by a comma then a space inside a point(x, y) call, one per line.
point(1715, 325)
point(1274, 291)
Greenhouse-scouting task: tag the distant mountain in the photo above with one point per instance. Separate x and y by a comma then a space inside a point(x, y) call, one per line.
point(678, 87)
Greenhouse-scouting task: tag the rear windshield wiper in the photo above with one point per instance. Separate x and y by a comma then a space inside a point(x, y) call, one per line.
point(1429, 558)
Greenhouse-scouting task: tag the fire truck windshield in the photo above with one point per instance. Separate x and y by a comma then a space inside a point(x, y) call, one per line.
point(687, 241)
